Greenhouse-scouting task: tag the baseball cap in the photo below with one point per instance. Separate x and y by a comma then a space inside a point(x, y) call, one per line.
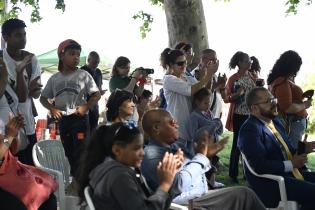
point(63, 45)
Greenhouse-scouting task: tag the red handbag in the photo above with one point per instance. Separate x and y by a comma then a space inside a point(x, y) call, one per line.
point(31, 185)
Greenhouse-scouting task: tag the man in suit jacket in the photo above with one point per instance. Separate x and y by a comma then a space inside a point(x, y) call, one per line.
point(262, 146)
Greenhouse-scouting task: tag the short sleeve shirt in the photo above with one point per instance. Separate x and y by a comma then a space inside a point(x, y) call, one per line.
point(118, 82)
point(26, 107)
point(70, 90)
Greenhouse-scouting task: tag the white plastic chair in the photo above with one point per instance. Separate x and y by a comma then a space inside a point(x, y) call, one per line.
point(49, 156)
point(88, 199)
point(87, 195)
point(284, 203)
point(175, 206)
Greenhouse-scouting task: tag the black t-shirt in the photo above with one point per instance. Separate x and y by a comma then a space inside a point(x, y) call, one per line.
point(97, 75)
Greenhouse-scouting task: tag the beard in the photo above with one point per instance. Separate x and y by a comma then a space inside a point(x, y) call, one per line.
point(270, 114)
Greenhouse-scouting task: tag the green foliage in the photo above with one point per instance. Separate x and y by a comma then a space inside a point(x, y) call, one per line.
point(292, 5)
point(157, 2)
point(15, 9)
point(147, 20)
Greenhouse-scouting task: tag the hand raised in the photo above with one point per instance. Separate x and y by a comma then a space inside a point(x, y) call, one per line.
point(14, 125)
point(166, 171)
point(27, 60)
point(35, 87)
point(215, 148)
point(179, 157)
point(202, 143)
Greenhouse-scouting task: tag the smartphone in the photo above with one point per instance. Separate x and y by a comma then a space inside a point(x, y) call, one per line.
point(301, 148)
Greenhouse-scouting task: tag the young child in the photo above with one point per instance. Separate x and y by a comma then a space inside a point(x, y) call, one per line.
point(111, 167)
point(69, 88)
point(201, 119)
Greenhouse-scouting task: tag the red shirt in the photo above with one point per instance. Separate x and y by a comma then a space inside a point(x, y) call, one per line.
point(287, 93)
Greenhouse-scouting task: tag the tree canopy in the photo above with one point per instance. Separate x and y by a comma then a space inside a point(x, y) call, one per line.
point(15, 10)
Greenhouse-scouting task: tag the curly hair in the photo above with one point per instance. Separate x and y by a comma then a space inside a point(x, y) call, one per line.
point(255, 65)
point(287, 65)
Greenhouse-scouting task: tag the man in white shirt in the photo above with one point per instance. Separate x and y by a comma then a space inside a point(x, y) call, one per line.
point(22, 65)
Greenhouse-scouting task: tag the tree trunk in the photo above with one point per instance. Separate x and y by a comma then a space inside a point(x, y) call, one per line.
point(186, 22)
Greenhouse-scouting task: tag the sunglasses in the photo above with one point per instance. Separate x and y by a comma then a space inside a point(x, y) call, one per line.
point(181, 63)
point(269, 101)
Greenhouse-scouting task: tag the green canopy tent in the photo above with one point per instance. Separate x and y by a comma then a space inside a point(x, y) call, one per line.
point(49, 60)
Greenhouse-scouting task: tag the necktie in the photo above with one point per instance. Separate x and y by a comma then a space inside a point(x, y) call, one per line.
point(296, 173)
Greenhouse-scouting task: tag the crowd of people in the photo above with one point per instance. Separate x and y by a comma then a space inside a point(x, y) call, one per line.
point(149, 153)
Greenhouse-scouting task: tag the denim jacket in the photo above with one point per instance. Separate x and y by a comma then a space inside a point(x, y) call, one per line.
point(189, 183)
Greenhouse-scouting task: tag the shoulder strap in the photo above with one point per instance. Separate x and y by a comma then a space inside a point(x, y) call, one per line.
point(29, 68)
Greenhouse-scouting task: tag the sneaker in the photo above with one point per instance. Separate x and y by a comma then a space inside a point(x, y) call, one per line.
point(218, 185)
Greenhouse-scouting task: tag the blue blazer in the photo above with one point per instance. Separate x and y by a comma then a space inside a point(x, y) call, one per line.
point(264, 155)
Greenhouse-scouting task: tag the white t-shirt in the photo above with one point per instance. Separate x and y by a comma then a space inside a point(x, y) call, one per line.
point(177, 93)
point(5, 108)
point(24, 108)
point(71, 90)
point(217, 108)
point(2, 127)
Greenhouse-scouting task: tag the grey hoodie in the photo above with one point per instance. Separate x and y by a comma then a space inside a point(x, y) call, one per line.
point(117, 187)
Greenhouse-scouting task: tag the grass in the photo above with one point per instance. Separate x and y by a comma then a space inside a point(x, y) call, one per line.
point(223, 171)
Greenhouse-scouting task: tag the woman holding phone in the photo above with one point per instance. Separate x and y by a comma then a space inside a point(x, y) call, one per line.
point(292, 101)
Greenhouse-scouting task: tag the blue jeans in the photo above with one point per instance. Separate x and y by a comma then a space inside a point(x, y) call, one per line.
point(297, 129)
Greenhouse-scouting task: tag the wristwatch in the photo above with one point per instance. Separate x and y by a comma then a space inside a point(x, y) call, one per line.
point(6, 142)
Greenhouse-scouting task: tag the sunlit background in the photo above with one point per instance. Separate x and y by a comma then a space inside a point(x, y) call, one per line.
point(260, 28)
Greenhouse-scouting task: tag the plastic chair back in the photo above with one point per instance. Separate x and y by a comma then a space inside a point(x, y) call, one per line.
point(284, 203)
point(50, 154)
point(88, 199)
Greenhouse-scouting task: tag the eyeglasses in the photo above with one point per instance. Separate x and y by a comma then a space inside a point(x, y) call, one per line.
point(269, 101)
point(181, 63)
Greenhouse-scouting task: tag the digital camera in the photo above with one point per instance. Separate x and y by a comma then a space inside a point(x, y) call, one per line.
point(146, 70)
